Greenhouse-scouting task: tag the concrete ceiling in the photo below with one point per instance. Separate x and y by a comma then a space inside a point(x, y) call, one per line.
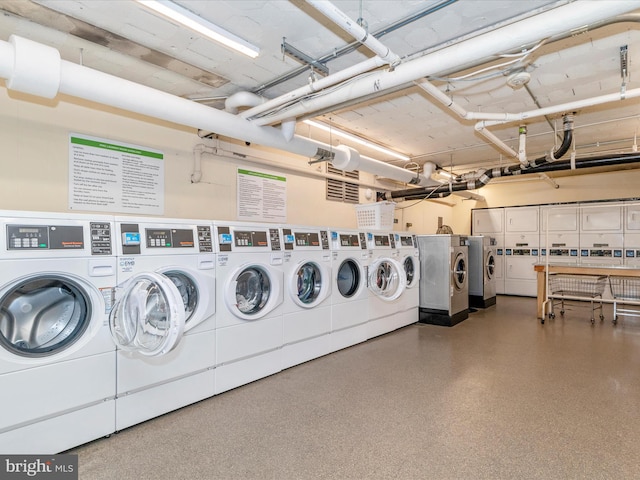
point(123, 38)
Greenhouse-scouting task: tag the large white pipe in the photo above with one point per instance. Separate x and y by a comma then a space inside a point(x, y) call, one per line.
point(86, 83)
point(567, 17)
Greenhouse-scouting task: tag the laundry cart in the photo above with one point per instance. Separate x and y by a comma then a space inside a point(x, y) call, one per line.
point(576, 287)
point(625, 291)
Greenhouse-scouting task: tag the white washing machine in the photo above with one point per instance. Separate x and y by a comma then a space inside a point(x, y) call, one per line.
point(349, 292)
point(249, 294)
point(444, 286)
point(307, 307)
point(387, 282)
point(409, 258)
point(482, 265)
point(164, 316)
point(57, 358)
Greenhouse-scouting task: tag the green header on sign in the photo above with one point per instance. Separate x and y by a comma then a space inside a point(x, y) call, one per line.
point(262, 175)
point(118, 148)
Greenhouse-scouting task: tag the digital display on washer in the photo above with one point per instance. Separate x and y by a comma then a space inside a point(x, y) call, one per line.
point(305, 239)
point(406, 241)
point(52, 237)
point(381, 240)
point(251, 238)
point(169, 238)
point(349, 240)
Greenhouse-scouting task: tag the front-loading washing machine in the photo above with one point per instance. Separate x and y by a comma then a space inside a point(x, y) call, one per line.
point(249, 295)
point(349, 292)
point(444, 287)
point(57, 358)
point(306, 308)
point(387, 282)
point(164, 316)
point(409, 258)
point(482, 265)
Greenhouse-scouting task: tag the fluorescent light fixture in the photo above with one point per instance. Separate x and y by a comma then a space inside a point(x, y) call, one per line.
point(198, 24)
point(353, 138)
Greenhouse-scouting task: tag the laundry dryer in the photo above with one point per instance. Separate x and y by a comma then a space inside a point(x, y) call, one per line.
point(482, 264)
point(249, 294)
point(444, 287)
point(409, 258)
point(306, 307)
point(163, 318)
point(349, 292)
point(57, 358)
point(387, 282)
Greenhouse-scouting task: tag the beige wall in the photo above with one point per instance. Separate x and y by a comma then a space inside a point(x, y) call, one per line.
point(34, 134)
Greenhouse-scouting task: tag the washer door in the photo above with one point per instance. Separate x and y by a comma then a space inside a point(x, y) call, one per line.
point(149, 317)
point(489, 265)
point(459, 271)
point(188, 290)
point(253, 291)
point(43, 315)
point(387, 279)
point(348, 278)
point(411, 270)
point(309, 284)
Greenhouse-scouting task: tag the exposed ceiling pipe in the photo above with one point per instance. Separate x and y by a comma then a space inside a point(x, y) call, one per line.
point(334, 14)
point(37, 69)
point(530, 30)
point(242, 99)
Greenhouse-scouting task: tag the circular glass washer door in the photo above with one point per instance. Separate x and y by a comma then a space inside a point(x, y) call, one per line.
point(459, 271)
point(348, 279)
point(188, 290)
point(411, 270)
point(43, 315)
point(309, 284)
point(387, 279)
point(490, 265)
point(252, 292)
point(149, 317)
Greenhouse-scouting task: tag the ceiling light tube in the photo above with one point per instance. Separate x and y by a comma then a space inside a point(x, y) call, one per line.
point(353, 138)
point(198, 24)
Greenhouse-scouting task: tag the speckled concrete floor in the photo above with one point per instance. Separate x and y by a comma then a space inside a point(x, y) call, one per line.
point(498, 396)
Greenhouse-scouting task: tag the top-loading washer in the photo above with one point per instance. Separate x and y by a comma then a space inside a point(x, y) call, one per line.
point(482, 264)
point(409, 258)
point(57, 358)
point(164, 316)
point(249, 294)
point(386, 281)
point(444, 287)
point(349, 292)
point(306, 307)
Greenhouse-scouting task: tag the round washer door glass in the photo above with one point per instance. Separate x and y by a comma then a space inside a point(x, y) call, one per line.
point(149, 317)
point(43, 315)
point(409, 265)
point(490, 265)
point(348, 278)
point(253, 288)
point(459, 271)
point(308, 283)
point(188, 291)
point(387, 279)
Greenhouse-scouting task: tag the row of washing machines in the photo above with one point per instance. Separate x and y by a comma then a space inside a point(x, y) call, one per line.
point(106, 322)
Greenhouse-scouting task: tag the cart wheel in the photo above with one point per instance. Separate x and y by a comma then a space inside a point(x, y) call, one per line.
point(542, 321)
point(552, 315)
point(601, 317)
point(562, 312)
point(593, 321)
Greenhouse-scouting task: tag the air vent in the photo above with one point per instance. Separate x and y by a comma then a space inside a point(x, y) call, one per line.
point(342, 191)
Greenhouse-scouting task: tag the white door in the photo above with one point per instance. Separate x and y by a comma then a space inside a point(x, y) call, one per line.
point(487, 221)
point(521, 219)
point(149, 317)
point(252, 291)
point(387, 279)
point(601, 218)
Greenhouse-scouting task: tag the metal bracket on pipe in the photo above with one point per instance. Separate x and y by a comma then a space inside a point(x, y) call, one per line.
point(296, 54)
point(322, 155)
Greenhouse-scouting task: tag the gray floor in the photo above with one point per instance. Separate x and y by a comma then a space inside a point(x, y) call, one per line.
point(498, 396)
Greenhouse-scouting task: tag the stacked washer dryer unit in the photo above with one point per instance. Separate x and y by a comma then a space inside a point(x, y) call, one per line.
point(444, 287)
point(249, 295)
point(307, 307)
point(632, 233)
point(349, 292)
point(387, 282)
point(163, 319)
point(57, 358)
point(489, 222)
point(522, 250)
point(601, 234)
point(482, 266)
point(559, 234)
point(409, 258)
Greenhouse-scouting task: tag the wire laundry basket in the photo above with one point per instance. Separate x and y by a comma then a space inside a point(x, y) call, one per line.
point(624, 290)
point(375, 216)
point(576, 287)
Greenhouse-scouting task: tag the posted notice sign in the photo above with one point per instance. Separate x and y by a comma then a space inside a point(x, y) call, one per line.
point(115, 177)
point(262, 196)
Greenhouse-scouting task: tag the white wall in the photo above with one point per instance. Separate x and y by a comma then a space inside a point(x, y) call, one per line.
point(34, 139)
